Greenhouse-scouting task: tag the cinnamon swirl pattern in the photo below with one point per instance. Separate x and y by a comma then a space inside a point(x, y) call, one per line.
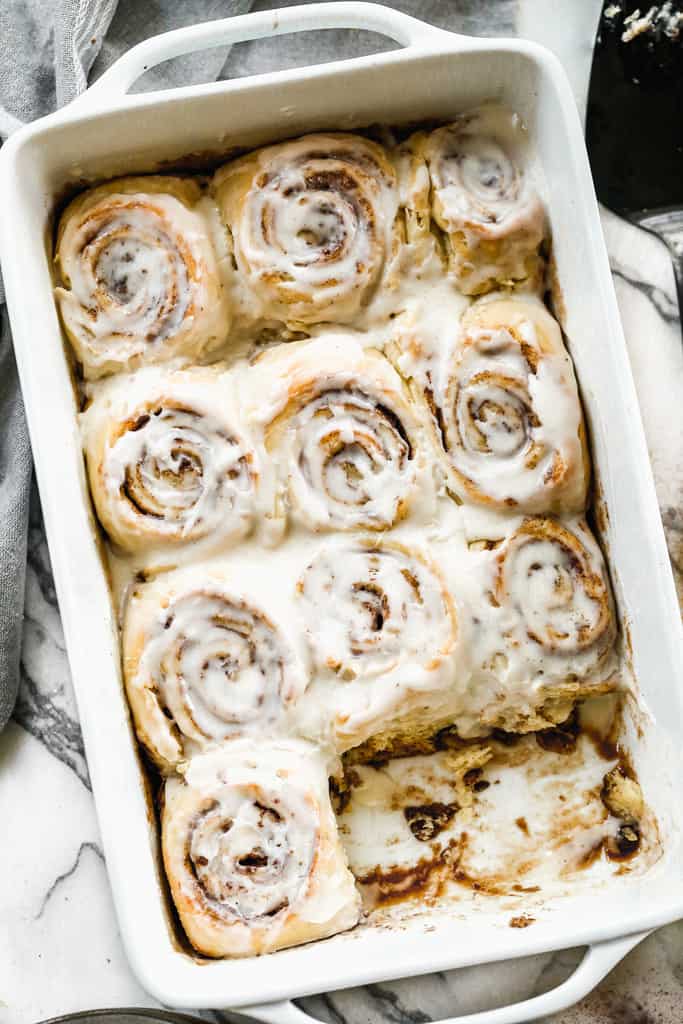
point(509, 416)
point(203, 663)
point(311, 224)
point(382, 626)
point(139, 276)
point(545, 626)
point(490, 215)
point(167, 464)
point(551, 578)
point(251, 850)
point(344, 433)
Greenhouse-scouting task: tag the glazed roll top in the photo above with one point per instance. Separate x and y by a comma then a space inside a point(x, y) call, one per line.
point(508, 413)
point(542, 626)
point(382, 627)
point(251, 850)
point(311, 223)
point(139, 275)
point(204, 662)
point(552, 579)
point(337, 420)
point(483, 200)
point(168, 462)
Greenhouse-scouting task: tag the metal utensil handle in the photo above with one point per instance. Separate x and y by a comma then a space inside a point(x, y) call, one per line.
point(596, 963)
point(386, 21)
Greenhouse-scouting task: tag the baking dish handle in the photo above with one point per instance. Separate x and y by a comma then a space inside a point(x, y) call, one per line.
point(596, 963)
point(371, 17)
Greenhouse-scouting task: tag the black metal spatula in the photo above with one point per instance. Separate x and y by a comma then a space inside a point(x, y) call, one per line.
point(634, 121)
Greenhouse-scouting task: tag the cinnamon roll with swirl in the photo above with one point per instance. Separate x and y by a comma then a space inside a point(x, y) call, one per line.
point(204, 663)
point(251, 850)
point(138, 275)
point(383, 632)
point(509, 416)
point(490, 215)
point(311, 224)
point(546, 625)
point(167, 463)
point(338, 420)
point(553, 578)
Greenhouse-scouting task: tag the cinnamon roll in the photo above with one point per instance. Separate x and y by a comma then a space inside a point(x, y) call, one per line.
point(509, 416)
point(167, 463)
point(138, 275)
point(311, 224)
point(251, 850)
point(338, 420)
point(554, 579)
point(202, 663)
point(383, 632)
point(546, 627)
point(482, 199)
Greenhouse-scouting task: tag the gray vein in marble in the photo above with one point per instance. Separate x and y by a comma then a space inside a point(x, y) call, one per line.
point(83, 848)
point(660, 299)
point(46, 706)
point(334, 1015)
point(391, 1007)
point(47, 723)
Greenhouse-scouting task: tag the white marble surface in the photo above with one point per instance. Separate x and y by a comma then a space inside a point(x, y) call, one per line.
point(59, 943)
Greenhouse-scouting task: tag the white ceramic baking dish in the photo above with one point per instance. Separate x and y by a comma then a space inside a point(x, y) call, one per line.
point(434, 75)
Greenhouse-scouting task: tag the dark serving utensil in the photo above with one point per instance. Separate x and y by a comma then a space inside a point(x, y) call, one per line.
point(634, 120)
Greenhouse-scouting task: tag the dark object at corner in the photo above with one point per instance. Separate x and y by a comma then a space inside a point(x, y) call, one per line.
point(634, 119)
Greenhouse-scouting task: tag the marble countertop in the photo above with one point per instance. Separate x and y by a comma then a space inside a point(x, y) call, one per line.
point(59, 944)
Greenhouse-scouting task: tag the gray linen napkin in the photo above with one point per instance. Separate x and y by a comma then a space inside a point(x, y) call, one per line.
point(28, 89)
point(47, 53)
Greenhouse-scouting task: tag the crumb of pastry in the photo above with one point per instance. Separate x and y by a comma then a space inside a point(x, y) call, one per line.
point(523, 921)
point(622, 796)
